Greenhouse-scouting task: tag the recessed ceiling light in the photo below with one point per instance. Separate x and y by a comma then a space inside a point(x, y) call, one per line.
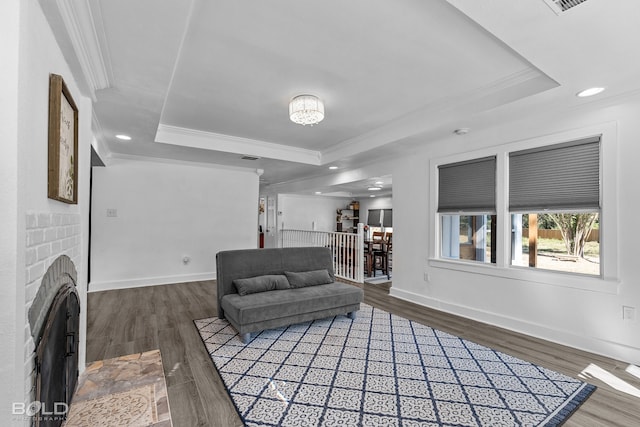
point(318, 192)
point(333, 167)
point(374, 188)
point(123, 137)
point(590, 92)
point(379, 182)
point(372, 195)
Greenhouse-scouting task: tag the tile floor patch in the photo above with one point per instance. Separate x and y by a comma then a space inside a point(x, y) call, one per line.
point(132, 408)
point(124, 391)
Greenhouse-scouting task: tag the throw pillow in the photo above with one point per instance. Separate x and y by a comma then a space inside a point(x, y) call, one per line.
point(308, 278)
point(252, 285)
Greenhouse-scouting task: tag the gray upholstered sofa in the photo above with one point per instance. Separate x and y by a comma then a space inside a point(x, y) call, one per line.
point(308, 292)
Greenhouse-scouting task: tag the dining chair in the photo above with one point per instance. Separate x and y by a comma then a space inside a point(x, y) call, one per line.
point(375, 243)
point(382, 256)
point(377, 236)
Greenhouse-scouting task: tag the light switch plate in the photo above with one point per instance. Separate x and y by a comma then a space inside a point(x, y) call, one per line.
point(628, 313)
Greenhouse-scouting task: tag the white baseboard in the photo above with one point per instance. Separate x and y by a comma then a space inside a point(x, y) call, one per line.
point(148, 281)
point(591, 344)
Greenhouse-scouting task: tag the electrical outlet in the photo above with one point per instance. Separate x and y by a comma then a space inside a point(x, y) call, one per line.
point(112, 213)
point(628, 313)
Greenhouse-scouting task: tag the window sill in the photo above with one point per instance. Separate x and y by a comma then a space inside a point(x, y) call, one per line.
point(546, 277)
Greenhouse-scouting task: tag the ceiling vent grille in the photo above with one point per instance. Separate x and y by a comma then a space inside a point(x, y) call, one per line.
point(559, 6)
point(249, 158)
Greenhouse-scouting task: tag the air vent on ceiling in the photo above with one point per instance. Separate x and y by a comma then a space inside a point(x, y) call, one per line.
point(249, 158)
point(559, 6)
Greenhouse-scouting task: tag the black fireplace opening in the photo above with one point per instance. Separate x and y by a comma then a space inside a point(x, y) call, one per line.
point(57, 359)
point(54, 318)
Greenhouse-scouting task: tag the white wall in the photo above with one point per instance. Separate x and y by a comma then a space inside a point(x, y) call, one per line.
point(30, 53)
point(300, 212)
point(164, 213)
point(577, 311)
point(11, 293)
point(367, 203)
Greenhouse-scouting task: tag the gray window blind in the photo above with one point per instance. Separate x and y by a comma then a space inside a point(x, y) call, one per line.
point(467, 186)
point(387, 218)
point(563, 176)
point(373, 217)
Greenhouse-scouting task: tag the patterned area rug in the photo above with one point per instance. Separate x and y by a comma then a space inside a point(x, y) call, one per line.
point(382, 369)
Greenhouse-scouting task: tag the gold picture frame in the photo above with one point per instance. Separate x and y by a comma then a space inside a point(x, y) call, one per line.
point(63, 143)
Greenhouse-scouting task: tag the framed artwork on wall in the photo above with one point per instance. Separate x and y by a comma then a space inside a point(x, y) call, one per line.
point(63, 143)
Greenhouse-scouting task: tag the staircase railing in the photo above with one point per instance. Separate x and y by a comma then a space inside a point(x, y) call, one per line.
point(347, 249)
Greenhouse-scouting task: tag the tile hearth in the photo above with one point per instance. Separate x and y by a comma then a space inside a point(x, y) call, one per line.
point(124, 391)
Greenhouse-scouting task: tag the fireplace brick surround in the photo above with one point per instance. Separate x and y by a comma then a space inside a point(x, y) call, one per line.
point(48, 236)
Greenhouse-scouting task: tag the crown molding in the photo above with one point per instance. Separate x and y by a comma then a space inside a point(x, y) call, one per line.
point(83, 30)
point(232, 144)
point(509, 88)
point(98, 143)
point(377, 168)
point(120, 158)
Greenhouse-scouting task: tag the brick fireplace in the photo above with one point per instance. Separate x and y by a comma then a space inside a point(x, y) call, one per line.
point(53, 295)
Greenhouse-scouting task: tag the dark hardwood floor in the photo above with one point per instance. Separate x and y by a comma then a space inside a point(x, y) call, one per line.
point(134, 320)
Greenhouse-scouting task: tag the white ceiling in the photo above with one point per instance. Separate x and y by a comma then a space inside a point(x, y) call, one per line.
point(210, 81)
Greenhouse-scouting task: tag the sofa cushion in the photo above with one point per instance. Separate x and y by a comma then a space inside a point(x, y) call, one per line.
point(269, 282)
point(291, 302)
point(308, 278)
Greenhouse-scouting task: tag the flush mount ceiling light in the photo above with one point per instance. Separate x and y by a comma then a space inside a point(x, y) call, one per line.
point(374, 188)
point(590, 92)
point(306, 110)
point(123, 137)
point(333, 168)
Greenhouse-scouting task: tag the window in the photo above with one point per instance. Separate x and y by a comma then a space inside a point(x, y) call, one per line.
point(469, 237)
point(374, 217)
point(567, 241)
point(380, 220)
point(554, 201)
point(466, 204)
point(387, 218)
